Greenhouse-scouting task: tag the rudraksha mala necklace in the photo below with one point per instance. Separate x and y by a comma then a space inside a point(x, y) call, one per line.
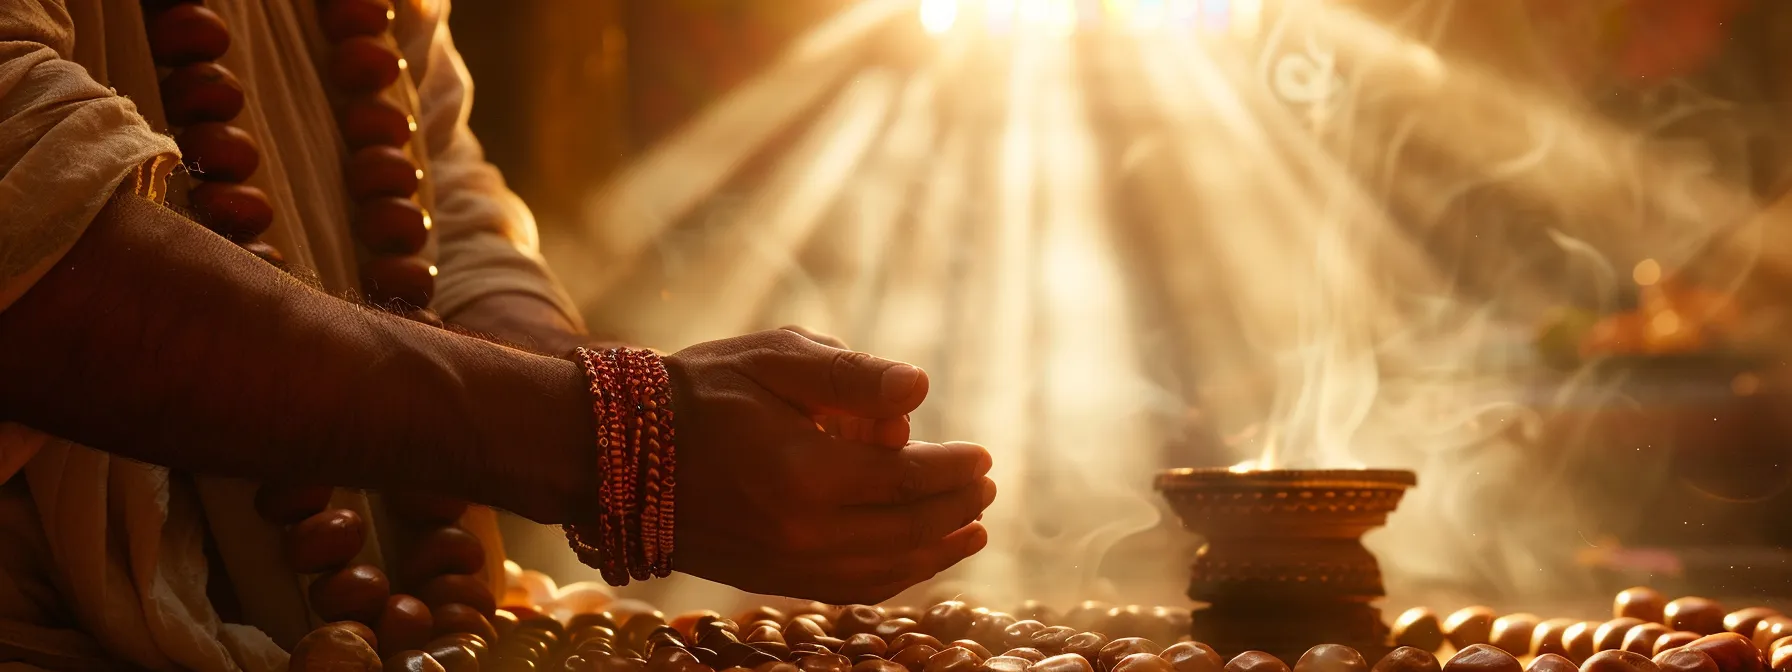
point(201, 97)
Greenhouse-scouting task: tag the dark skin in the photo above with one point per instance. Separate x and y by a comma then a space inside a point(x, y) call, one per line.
point(155, 340)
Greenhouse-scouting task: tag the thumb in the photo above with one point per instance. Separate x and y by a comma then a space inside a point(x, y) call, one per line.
point(821, 379)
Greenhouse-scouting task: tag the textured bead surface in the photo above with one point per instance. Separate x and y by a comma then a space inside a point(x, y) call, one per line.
point(371, 121)
point(201, 92)
point(407, 279)
point(235, 211)
point(381, 170)
point(187, 33)
point(392, 226)
point(218, 152)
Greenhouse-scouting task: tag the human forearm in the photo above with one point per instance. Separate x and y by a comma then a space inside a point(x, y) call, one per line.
point(155, 340)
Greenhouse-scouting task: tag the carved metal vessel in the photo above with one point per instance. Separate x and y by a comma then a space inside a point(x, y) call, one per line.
point(1284, 567)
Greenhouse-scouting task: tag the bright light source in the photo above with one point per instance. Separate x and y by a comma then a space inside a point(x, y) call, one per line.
point(1647, 272)
point(937, 16)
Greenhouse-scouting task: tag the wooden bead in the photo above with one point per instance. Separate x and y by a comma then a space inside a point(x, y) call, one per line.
point(381, 170)
point(1733, 652)
point(1469, 626)
point(458, 589)
point(325, 541)
point(370, 121)
point(265, 252)
point(405, 624)
point(333, 649)
point(1694, 614)
point(235, 211)
point(1642, 603)
point(1611, 634)
point(1743, 622)
point(201, 92)
point(398, 279)
point(444, 550)
point(395, 226)
point(343, 19)
point(453, 618)
point(218, 152)
point(187, 33)
point(1548, 637)
point(412, 661)
point(357, 593)
point(363, 65)
point(1419, 628)
point(1512, 633)
point(288, 504)
point(1675, 640)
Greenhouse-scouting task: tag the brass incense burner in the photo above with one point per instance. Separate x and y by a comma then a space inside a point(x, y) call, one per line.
point(1284, 567)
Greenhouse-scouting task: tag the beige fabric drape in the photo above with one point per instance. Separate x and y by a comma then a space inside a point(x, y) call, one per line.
point(109, 551)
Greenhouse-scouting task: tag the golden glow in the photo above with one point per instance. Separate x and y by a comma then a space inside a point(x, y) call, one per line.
point(937, 16)
point(428, 223)
point(1647, 272)
point(432, 271)
point(1238, 17)
point(1665, 323)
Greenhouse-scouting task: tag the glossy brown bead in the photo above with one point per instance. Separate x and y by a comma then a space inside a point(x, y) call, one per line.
point(218, 152)
point(1331, 658)
point(1549, 637)
point(1469, 626)
point(187, 33)
point(864, 644)
point(891, 627)
point(405, 624)
point(454, 656)
point(343, 19)
point(1781, 660)
point(877, 665)
point(913, 657)
point(1020, 633)
point(1641, 639)
point(953, 659)
point(412, 661)
point(402, 279)
point(458, 589)
point(1068, 662)
point(422, 508)
point(264, 252)
point(236, 211)
point(1193, 657)
point(452, 618)
point(1743, 621)
point(502, 621)
point(1143, 662)
point(1026, 653)
point(443, 550)
point(362, 65)
point(1482, 658)
point(201, 92)
point(1685, 660)
point(393, 226)
point(1408, 659)
point(947, 620)
point(1512, 633)
point(1005, 664)
point(356, 593)
point(824, 662)
point(1550, 662)
point(1051, 640)
point(1646, 604)
point(668, 658)
point(855, 620)
point(1732, 652)
point(361, 630)
point(601, 619)
point(288, 504)
point(774, 666)
point(370, 121)
point(1579, 640)
point(1611, 634)
point(325, 541)
point(1770, 629)
point(1123, 647)
point(1255, 661)
point(1128, 621)
point(333, 649)
point(1619, 661)
point(1694, 614)
point(802, 631)
point(973, 647)
point(1419, 628)
point(1675, 640)
point(1085, 644)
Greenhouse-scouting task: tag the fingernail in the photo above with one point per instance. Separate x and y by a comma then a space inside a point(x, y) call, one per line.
point(899, 382)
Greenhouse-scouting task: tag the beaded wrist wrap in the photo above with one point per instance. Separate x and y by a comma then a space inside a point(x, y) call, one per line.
point(631, 537)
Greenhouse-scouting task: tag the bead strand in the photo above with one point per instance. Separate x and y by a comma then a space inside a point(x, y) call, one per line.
point(441, 565)
point(631, 537)
point(200, 98)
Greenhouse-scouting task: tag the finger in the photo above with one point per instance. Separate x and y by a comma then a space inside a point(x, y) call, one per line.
point(899, 529)
point(818, 337)
point(821, 379)
point(917, 471)
point(892, 574)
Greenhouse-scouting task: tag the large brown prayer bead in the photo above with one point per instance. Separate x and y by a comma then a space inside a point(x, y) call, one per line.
point(1619, 661)
point(1068, 662)
point(1331, 658)
point(1256, 661)
point(1770, 629)
point(371, 121)
point(1551, 662)
point(1578, 639)
point(1733, 652)
point(1640, 603)
point(855, 620)
point(1694, 614)
point(1194, 657)
point(864, 644)
point(1143, 662)
point(343, 19)
point(288, 504)
point(1469, 626)
point(333, 649)
point(452, 618)
point(1005, 664)
point(1642, 638)
point(325, 541)
point(1408, 659)
point(392, 226)
point(947, 620)
point(1685, 660)
point(444, 550)
point(201, 92)
point(953, 659)
point(356, 593)
point(264, 252)
point(1743, 621)
point(458, 589)
point(235, 211)
point(218, 152)
point(363, 65)
point(412, 661)
point(405, 624)
point(187, 33)
point(454, 656)
point(1548, 636)
point(381, 170)
point(1611, 634)
point(1512, 633)
point(1482, 658)
point(1675, 640)
point(361, 630)
point(407, 279)
point(1123, 647)
point(1419, 628)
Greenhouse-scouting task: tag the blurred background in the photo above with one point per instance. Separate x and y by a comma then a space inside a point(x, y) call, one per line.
point(1532, 250)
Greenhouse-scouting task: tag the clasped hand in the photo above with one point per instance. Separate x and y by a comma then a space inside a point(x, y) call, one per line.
point(771, 501)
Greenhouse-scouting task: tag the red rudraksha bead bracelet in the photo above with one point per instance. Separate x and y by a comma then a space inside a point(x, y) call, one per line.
point(631, 401)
